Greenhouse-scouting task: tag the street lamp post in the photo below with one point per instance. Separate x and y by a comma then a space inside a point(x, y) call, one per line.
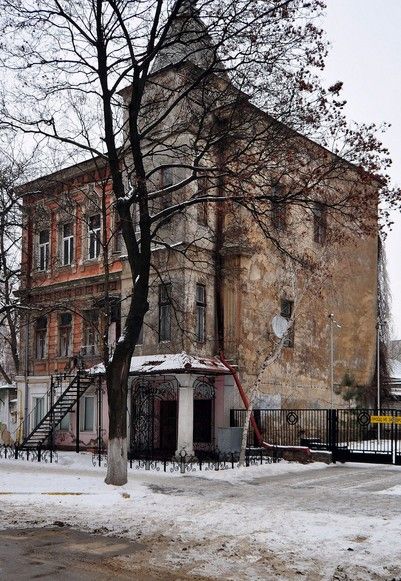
point(332, 323)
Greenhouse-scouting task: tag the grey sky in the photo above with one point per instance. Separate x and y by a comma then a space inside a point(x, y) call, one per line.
point(366, 55)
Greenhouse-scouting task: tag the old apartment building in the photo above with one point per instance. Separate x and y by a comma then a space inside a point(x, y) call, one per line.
point(218, 284)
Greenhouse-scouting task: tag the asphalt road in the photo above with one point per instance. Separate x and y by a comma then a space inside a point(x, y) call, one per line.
point(63, 553)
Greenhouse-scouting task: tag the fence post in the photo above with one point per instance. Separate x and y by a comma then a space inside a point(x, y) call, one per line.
point(51, 416)
point(332, 431)
point(16, 452)
point(99, 422)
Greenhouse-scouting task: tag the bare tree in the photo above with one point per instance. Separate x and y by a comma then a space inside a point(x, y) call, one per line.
point(11, 174)
point(216, 93)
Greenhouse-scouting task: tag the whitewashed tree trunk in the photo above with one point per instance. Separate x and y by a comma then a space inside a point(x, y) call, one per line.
point(245, 432)
point(117, 462)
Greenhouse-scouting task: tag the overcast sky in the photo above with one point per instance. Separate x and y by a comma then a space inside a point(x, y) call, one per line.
point(366, 55)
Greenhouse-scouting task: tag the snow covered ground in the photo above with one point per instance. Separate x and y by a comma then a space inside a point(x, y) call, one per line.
point(280, 521)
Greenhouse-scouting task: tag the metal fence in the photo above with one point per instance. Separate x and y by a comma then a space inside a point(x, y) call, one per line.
point(39, 454)
point(350, 434)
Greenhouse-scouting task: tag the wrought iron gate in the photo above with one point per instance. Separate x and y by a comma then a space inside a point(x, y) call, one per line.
point(357, 435)
point(148, 418)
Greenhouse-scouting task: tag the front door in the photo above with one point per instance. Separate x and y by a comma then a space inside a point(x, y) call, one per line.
point(168, 425)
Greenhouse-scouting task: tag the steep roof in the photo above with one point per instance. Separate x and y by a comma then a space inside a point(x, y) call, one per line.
point(187, 40)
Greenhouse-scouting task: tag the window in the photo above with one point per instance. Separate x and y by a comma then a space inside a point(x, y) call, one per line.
point(202, 207)
point(65, 335)
point(140, 337)
point(94, 236)
point(87, 415)
point(89, 346)
point(286, 312)
point(40, 337)
point(279, 214)
point(65, 423)
point(200, 313)
point(44, 249)
point(165, 312)
point(278, 208)
point(166, 180)
point(319, 223)
point(38, 409)
point(67, 244)
point(117, 233)
point(203, 410)
point(166, 177)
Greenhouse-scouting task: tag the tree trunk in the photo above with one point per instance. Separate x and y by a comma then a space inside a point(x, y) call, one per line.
point(117, 389)
point(245, 432)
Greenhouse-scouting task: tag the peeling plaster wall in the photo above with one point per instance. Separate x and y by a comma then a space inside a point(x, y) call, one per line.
point(255, 282)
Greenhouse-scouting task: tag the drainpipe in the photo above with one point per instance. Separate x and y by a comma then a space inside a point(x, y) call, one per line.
point(218, 260)
point(26, 399)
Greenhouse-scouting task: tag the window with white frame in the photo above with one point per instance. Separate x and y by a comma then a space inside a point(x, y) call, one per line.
point(94, 236)
point(200, 313)
point(90, 324)
point(38, 403)
point(67, 244)
point(65, 334)
point(44, 249)
point(87, 413)
point(40, 337)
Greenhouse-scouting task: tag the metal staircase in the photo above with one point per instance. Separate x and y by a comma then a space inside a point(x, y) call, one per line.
point(59, 408)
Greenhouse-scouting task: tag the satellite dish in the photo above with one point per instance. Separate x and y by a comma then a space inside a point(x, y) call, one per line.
point(280, 326)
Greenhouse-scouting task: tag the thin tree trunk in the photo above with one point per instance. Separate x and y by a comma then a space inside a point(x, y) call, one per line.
point(245, 432)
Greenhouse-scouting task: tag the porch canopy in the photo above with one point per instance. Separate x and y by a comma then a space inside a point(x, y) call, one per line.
point(162, 404)
point(167, 363)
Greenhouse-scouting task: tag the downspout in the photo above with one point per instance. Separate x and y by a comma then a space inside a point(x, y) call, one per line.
point(218, 259)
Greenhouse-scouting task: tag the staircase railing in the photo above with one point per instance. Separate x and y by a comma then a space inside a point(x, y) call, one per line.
point(60, 402)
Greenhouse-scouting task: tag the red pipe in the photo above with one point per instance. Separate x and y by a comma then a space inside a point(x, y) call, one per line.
point(245, 401)
point(244, 398)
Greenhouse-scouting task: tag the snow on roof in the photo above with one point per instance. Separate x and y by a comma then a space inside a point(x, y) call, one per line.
point(8, 386)
point(179, 362)
point(171, 363)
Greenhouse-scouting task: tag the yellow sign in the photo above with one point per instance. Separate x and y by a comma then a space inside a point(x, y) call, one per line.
point(385, 420)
